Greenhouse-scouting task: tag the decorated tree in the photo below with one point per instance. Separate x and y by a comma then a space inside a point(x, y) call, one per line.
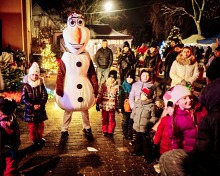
point(12, 64)
point(48, 60)
point(175, 36)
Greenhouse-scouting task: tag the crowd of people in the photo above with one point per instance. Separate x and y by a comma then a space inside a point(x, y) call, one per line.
point(184, 128)
point(183, 122)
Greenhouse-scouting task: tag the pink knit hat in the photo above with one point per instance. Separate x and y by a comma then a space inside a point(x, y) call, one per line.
point(178, 92)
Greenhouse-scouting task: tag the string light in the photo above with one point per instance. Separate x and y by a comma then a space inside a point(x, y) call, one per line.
point(48, 61)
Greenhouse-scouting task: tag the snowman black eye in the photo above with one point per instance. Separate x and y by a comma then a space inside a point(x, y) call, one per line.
point(80, 22)
point(72, 22)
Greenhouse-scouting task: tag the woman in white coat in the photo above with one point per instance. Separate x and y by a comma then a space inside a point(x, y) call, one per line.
point(184, 68)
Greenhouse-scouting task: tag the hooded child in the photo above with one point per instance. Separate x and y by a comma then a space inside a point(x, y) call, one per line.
point(34, 96)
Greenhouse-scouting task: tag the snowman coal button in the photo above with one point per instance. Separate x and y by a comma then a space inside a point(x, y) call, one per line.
point(79, 64)
point(80, 99)
point(79, 86)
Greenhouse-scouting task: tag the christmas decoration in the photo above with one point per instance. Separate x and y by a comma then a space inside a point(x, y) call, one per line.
point(12, 78)
point(13, 95)
point(12, 67)
point(48, 60)
point(173, 36)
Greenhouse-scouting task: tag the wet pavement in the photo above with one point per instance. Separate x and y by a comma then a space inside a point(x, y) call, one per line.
point(104, 156)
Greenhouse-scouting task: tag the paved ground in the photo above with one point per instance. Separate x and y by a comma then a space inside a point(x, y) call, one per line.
point(74, 157)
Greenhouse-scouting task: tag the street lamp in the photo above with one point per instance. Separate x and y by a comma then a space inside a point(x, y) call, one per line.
point(108, 6)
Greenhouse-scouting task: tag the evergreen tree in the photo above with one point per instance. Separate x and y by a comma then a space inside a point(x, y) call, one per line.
point(12, 78)
point(175, 36)
point(12, 74)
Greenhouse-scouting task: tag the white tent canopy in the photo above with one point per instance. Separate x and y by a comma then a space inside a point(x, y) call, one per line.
point(192, 40)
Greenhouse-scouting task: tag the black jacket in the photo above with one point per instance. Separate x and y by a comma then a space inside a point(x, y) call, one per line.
point(126, 60)
point(32, 96)
point(104, 58)
point(152, 60)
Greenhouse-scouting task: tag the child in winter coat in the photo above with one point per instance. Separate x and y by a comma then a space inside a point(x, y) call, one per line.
point(124, 105)
point(143, 82)
point(107, 100)
point(161, 138)
point(185, 119)
point(34, 96)
point(143, 114)
point(9, 138)
point(135, 93)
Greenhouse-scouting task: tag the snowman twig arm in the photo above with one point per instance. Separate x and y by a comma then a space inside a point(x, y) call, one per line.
point(60, 78)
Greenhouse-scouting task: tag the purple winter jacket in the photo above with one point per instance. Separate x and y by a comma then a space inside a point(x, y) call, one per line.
point(184, 130)
point(136, 91)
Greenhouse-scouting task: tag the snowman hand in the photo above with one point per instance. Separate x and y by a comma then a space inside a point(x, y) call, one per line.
point(59, 92)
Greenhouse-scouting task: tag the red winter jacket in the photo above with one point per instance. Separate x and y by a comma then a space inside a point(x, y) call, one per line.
point(162, 134)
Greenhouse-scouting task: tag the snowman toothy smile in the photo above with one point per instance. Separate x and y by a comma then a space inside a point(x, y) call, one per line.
point(77, 46)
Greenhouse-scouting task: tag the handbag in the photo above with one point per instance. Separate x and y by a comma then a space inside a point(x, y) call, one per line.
point(127, 107)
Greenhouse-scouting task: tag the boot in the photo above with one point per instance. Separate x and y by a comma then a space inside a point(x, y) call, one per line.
point(130, 134)
point(124, 126)
point(133, 137)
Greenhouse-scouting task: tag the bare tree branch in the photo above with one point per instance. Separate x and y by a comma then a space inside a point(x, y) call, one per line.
point(196, 15)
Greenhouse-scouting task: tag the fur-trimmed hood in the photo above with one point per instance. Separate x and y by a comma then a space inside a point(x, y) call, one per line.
point(189, 61)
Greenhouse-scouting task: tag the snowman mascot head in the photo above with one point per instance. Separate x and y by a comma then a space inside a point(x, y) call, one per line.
point(76, 35)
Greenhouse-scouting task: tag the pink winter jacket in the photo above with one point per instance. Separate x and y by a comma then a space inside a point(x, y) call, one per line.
point(183, 129)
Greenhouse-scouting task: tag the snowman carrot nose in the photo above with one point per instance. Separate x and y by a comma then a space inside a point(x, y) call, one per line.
point(77, 35)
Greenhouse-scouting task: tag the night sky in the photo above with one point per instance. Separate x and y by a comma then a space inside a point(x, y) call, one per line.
point(134, 14)
point(47, 4)
point(137, 17)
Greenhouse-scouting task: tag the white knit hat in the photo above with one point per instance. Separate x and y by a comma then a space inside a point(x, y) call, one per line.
point(34, 69)
point(178, 92)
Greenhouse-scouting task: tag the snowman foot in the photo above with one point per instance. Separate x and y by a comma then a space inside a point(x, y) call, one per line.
point(88, 133)
point(64, 136)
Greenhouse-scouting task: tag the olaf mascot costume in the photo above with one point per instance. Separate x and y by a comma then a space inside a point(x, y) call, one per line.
point(77, 83)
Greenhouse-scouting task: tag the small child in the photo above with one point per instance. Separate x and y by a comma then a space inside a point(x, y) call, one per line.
point(143, 114)
point(9, 138)
point(143, 82)
point(161, 137)
point(124, 105)
point(107, 100)
point(184, 125)
point(34, 96)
